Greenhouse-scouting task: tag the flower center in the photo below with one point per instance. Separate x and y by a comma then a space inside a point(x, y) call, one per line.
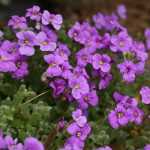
point(78, 134)
point(26, 41)
point(2, 58)
point(52, 64)
point(84, 57)
point(75, 33)
point(135, 113)
point(77, 86)
point(61, 53)
point(86, 98)
point(101, 62)
point(120, 114)
point(121, 44)
point(45, 43)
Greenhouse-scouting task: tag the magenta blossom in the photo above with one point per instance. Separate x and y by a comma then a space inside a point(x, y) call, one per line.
point(76, 131)
point(17, 22)
point(145, 94)
point(54, 68)
point(44, 42)
point(31, 143)
point(128, 70)
point(26, 40)
point(105, 80)
point(89, 99)
point(122, 12)
point(34, 13)
point(118, 117)
point(121, 42)
point(101, 62)
point(73, 143)
point(55, 20)
point(58, 86)
point(135, 115)
point(79, 87)
point(78, 116)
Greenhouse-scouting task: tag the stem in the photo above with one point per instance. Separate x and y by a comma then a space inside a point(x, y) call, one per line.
point(32, 99)
point(50, 138)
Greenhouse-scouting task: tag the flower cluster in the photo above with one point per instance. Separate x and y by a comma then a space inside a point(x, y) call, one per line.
point(14, 54)
point(126, 111)
point(30, 143)
point(79, 129)
point(99, 45)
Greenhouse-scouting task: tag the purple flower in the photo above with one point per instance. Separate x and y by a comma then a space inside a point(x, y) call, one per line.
point(61, 124)
point(54, 62)
point(86, 35)
point(138, 49)
point(121, 42)
point(104, 148)
point(140, 66)
point(101, 62)
point(128, 102)
point(83, 57)
point(90, 98)
point(26, 40)
point(34, 13)
point(147, 147)
point(135, 115)
point(66, 69)
point(106, 41)
point(21, 71)
point(44, 42)
point(55, 20)
point(1, 34)
point(7, 61)
point(107, 22)
point(52, 36)
point(148, 43)
point(75, 31)
point(128, 70)
point(10, 142)
point(73, 143)
point(19, 147)
point(79, 71)
point(31, 143)
point(122, 12)
point(76, 131)
point(63, 51)
point(147, 32)
point(99, 20)
point(118, 97)
point(58, 86)
point(118, 117)
point(147, 36)
point(78, 116)
point(79, 86)
point(2, 142)
point(105, 80)
point(145, 94)
point(17, 22)
point(111, 22)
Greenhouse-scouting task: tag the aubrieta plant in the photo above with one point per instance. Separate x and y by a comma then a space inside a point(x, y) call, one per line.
point(95, 67)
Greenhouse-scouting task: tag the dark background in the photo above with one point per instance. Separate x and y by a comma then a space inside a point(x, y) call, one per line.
point(138, 10)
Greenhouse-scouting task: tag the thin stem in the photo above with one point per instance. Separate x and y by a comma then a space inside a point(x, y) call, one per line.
point(32, 99)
